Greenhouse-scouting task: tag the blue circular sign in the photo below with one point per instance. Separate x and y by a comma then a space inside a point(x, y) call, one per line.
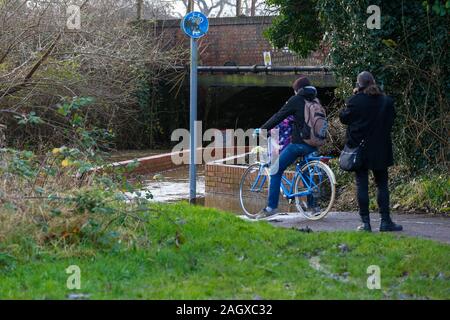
point(195, 24)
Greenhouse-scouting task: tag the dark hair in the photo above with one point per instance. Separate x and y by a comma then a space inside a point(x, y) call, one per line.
point(366, 84)
point(301, 82)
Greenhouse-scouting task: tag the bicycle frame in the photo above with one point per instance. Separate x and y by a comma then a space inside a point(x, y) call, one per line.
point(288, 192)
point(307, 181)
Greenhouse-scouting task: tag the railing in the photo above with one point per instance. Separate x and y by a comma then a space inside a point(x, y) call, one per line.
point(258, 69)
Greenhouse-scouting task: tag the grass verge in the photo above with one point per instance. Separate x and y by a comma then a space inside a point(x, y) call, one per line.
point(200, 253)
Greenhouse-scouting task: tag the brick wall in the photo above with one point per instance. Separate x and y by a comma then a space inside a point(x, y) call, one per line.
point(222, 181)
point(232, 39)
point(163, 162)
point(223, 178)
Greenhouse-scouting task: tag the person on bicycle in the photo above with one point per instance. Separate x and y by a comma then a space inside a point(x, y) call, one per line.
point(370, 110)
point(294, 106)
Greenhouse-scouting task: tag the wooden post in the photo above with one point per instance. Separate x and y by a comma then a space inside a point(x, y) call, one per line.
point(238, 7)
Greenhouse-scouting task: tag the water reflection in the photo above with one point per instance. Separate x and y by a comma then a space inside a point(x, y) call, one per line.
point(172, 185)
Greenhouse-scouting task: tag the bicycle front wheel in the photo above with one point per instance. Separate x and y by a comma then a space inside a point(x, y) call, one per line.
point(254, 189)
point(317, 179)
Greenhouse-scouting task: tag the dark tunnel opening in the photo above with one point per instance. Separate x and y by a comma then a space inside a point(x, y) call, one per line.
point(247, 107)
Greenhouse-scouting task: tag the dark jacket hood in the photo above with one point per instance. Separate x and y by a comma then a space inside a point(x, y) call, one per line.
point(308, 92)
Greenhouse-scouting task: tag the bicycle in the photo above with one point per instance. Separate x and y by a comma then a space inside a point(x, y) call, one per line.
point(312, 187)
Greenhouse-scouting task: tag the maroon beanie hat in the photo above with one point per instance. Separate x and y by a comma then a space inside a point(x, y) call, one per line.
point(301, 82)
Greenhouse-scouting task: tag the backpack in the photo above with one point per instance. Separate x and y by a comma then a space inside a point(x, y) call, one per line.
point(284, 132)
point(314, 131)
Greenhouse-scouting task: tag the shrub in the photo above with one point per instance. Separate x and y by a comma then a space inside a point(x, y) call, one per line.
point(408, 56)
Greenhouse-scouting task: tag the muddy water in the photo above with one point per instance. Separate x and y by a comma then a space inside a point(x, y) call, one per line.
point(173, 185)
point(167, 186)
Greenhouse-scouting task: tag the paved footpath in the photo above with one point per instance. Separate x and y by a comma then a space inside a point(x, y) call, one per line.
point(416, 225)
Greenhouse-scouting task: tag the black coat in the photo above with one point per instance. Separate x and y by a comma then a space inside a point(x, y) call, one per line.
point(294, 106)
point(360, 115)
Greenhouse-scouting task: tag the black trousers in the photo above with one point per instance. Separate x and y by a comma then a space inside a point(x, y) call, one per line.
point(362, 184)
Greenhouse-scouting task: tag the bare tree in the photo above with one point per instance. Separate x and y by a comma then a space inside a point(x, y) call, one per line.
point(238, 8)
point(253, 8)
point(219, 8)
point(43, 62)
point(139, 7)
point(209, 6)
point(190, 6)
point(256, 7)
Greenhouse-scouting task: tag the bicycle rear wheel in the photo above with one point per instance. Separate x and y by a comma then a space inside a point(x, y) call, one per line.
point(322, 185)
point(254, 189)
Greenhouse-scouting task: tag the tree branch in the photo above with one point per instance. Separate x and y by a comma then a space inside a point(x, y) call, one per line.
point(33, 70)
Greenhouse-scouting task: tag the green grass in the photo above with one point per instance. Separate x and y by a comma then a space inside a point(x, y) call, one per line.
point(208, 254)
point(430, 192)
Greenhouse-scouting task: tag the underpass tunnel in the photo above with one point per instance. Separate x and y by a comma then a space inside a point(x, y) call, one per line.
point(247, 107)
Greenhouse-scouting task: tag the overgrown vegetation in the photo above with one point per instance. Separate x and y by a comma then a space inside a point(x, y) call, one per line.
point(408, 55)
point(288, 30)
point(109, 58)
point(410, 192)
point(67, 196)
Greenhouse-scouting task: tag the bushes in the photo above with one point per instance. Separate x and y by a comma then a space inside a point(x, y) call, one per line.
point(415, 192)
point(42, 202)
point(42, 62)
point(286, 26)
point(429, 193)
point(408, 56)
point(58, 199)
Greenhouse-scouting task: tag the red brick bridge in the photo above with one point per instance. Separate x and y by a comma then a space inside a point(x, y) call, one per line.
point(240, 41)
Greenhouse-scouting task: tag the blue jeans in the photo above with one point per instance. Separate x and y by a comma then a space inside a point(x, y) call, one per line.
point(286, 158)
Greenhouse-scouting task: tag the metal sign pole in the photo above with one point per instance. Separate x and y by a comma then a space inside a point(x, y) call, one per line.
point(192, 119)
point(195, 25)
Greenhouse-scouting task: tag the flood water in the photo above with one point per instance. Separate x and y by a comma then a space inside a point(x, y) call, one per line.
point(173, 185)
point(167, 186)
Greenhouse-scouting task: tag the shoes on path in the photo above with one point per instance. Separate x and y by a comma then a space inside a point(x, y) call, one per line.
point(266, 213)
